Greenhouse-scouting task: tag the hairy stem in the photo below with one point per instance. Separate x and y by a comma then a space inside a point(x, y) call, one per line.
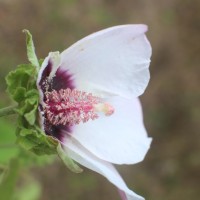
point(7, 111)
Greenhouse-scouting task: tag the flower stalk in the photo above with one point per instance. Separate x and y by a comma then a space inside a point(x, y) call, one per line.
point(8, 110)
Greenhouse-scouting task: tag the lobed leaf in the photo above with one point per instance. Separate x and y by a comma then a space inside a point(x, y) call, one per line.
point(20, 81)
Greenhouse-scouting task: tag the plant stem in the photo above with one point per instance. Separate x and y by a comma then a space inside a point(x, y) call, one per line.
point(8, 111)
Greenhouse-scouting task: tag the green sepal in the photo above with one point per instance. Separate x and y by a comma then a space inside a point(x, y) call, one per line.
point(37, 143)
point(29, 107)
point(20, 81)
point(67, 160)
point(31, 116)
point(21, 85)
point(31, 50)
point(41, 144)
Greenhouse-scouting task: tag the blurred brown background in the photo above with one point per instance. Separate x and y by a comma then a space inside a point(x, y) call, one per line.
point(171, 170)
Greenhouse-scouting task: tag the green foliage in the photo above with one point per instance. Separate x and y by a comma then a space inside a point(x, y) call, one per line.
point(22, 88)
point(20, 81)
point(31, 50)
point(37, 142)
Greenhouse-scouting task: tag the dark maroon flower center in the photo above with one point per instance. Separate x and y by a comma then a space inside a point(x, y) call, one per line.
point(61, 80)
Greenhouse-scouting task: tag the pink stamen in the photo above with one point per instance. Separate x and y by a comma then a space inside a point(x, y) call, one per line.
point(69, 107)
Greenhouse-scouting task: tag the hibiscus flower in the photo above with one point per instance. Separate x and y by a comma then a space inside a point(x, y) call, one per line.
point(89, 100)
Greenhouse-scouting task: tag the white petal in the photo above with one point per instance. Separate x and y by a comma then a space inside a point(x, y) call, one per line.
point(112, 61)
point(40, 76)
point(85, 158)
point(120, 138)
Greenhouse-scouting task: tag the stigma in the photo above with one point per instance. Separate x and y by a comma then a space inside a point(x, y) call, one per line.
point(71, 106)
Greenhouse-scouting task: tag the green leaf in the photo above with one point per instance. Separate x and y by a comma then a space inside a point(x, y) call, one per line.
point(67, 160)
point(20, 81)
point(19, 94)
point(37, 142)
point(32, 96)
point(31, 116)
point(8, 183)
point(31, 50)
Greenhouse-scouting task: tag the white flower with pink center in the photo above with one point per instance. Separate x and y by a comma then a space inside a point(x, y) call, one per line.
point(88, 100)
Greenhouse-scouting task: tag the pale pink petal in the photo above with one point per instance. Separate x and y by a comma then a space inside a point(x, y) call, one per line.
point(113, 61)
point(120, 138)
point(85, 158)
